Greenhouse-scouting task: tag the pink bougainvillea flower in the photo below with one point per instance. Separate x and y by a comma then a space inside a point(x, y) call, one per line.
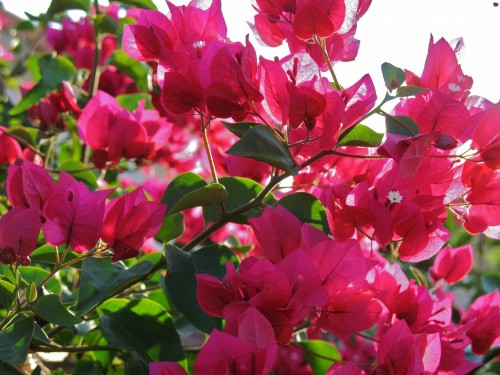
point(401, 352)
point(129, 221)
point(227, 354)
point(72, 215)
point(318, 18)
point(9, 148)
point(278, 231)
point(486, 137)
point(345, 368)
point(166, 368)
point(442, 71)
point(359, 100)
point(484, 319)
point(29, 185)
point(19, 229)
point(113, 132)
point(350, 310)
point(452, 265)
point(232, 83)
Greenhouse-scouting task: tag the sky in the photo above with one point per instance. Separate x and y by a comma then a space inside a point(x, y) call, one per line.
point(395, 31)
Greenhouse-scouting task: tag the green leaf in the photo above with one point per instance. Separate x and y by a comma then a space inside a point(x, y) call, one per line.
point(361, 136)
point(33, 96)
point(307, 208)
point(25, 26)
point(6, 293)
point(37, 275)
point(106, 24)
point(85, 175)
point(240, 190)
point(136, 70)
point(50, 308)
point(179, 187)
point(143, 326)
point(27, 134)
point(172, 227)
point(131, 101)
point(31, 292)
point(181, 281)
point(240, 128)
point(15, 341)
point(393, 76)
point(210, 194)
point(58, 6)
point(409, 91)
point(100, 278)
point(145, 4)
point(55, 69)
point(39, 336)
point(401, 125)
point(320, 354)
point(260, 143)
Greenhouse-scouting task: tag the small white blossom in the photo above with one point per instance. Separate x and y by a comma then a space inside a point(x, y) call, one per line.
point(395, 197)
point(199, 44)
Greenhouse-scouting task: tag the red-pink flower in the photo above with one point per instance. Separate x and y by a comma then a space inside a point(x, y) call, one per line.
point(129, 221)
point(72, 215)
point(452, 265)
point(442, 71)
point(9, 148)
point(251, 352)
point(19, 229)
point(29, 185)
point(166, 368)
point(484, 319)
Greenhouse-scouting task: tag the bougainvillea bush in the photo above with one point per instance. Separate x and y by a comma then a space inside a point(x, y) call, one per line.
point(171, 203)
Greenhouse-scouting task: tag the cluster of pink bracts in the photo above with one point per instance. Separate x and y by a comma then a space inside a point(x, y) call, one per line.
point(398, 197)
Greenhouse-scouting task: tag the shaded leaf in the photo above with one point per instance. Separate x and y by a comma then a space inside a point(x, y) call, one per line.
point(145, 4)
point(210, 194)
point(240, 128)
point(260, 143)
point(307, 208)
point(179, 187)
point(15, 340)
point(409, 91)
point(401, 125)
point(143, 326)
point(393, 76)
point(180, 282)
point(100, 278)
point(240, 190)
point(172, 227)
point(58, 6)
point(50, 308)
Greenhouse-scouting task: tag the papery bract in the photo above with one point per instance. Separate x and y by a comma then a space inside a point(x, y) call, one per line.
point(452, 265)
point(73, 215)
point(29, 185)
point(166, 368)
point(19, 229)
point(484, 317)
point(226, 354)
point(129, 221)
point(9, 147)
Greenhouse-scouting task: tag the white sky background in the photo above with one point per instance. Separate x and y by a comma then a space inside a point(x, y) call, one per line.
point(396, 31)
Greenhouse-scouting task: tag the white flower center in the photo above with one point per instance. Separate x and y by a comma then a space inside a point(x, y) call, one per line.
point(199, 44)
point(453, 87)
point(395, 197)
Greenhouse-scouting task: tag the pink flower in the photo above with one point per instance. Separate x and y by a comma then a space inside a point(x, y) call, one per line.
point(452, 265)
point(72, 215)
point(129, 221)
point(9, 148)
point(19, 229)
